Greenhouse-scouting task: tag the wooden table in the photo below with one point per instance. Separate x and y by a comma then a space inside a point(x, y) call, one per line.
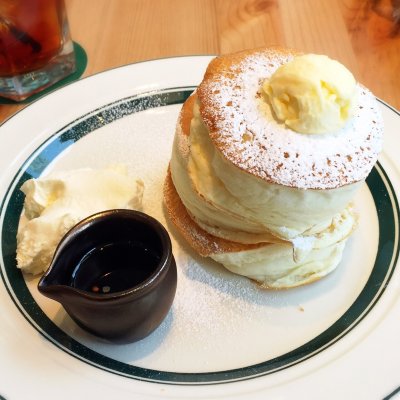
point(362, 34)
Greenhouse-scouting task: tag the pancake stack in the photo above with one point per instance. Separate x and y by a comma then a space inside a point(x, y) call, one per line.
point(267, 202)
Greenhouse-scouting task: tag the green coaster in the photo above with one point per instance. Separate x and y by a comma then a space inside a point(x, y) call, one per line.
point(81, 63)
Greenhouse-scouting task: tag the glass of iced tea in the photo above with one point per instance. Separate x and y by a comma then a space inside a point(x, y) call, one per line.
point(36, 49)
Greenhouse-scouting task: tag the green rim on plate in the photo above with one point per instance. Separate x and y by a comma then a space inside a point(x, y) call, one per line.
point(10, 209)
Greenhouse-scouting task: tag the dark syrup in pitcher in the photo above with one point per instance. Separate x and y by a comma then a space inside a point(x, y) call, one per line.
point(115, 267)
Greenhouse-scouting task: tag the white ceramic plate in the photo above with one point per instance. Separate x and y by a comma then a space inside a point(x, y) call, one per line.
point(224, 337)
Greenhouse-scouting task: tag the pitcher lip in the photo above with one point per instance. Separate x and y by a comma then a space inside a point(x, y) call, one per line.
point(136, 291)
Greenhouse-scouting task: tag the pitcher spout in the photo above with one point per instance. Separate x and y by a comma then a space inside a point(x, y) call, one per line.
point(55, 290)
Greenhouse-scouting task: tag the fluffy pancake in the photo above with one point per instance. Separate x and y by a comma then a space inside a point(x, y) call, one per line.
point(264, 201)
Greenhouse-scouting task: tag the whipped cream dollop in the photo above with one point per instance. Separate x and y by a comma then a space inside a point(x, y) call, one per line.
point(312, 94)
point(54, 204)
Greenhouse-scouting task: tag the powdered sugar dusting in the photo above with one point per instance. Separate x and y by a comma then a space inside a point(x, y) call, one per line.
point(182, 141)
point(243, 129)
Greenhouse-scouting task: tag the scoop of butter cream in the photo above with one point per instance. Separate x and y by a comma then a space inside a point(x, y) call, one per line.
point(312, 94)
point(55, 203)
